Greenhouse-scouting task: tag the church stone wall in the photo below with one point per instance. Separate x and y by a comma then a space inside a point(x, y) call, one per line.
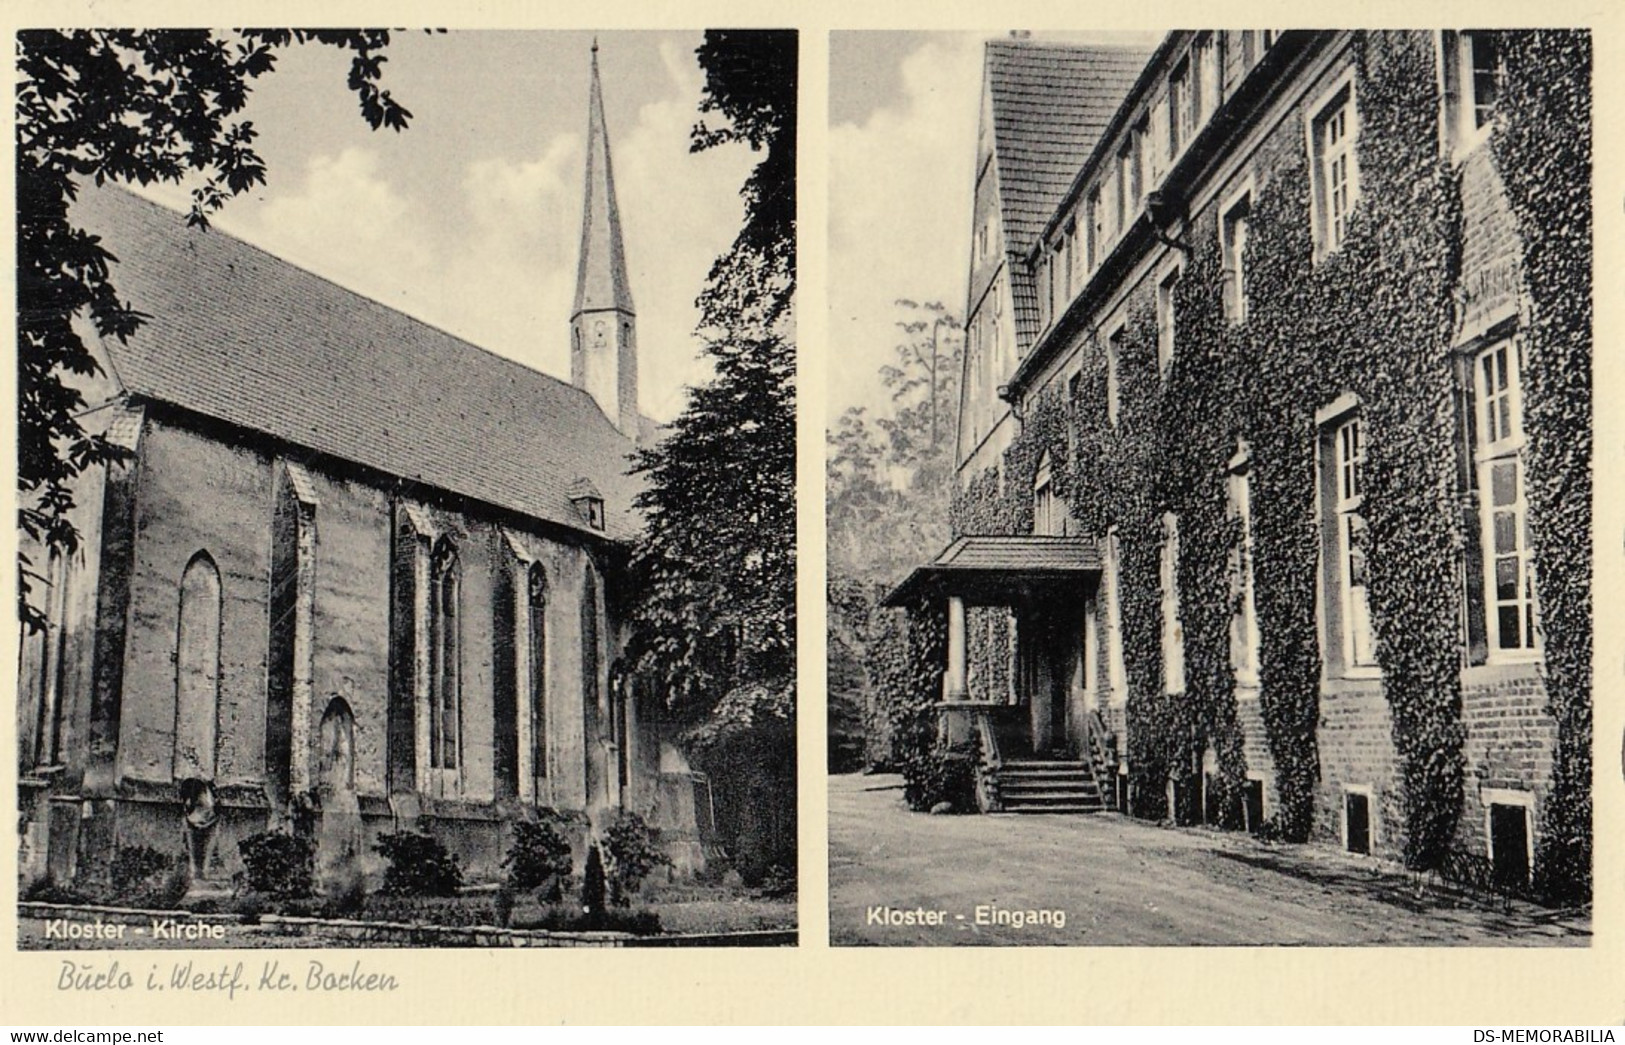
point(231, 523)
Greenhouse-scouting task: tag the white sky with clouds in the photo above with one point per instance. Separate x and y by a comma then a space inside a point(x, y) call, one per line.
point(900, 188)
point(471, 218)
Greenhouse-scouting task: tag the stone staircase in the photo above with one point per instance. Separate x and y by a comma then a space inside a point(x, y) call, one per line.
point(1048, 786)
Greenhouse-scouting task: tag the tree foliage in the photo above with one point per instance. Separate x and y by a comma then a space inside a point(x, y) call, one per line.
point(714, 616)
point(888, 488)
point(137, 107)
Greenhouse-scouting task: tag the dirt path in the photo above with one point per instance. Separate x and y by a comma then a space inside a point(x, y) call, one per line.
point(1108, 880)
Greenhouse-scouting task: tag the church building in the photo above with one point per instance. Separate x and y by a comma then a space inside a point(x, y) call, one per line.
point(353, 566)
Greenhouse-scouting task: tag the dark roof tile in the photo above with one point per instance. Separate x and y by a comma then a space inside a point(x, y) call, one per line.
point(1051, 103)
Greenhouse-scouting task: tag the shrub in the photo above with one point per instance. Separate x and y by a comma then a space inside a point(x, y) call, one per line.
point(419, 865)
point(346, 904)
point(566, 918)
point(165, 891)
point(629, 847)
point(779, 883)
point(279, 864)
point(941, 775)
point(592, 888)
point(539, 858)
point(138, 868)
point(46, 890)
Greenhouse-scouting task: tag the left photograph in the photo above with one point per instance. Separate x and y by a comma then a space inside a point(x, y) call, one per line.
point(406, 488)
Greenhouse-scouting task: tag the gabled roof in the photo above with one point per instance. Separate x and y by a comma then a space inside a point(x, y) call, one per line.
point(1050, 105)
point(996, 569)
point(244, 337)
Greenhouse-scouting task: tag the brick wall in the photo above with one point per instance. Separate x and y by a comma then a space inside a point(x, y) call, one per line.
point(1355, 737)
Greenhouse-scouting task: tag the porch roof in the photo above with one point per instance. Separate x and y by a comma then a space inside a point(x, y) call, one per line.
point(1001, 569)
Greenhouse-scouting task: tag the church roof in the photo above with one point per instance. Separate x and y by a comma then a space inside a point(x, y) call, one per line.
point(1050, 105)
point(242, 336)
point(601, 282)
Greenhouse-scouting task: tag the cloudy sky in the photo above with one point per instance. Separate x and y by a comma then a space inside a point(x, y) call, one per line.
point(903, 112)
point(471, 218)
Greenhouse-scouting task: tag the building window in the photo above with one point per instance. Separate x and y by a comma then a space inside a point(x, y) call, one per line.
point(1046, 292)
point(1141, 177)
point(589, 654)
point(1358, 828)
point(536, 647)
point(1508, 822)
point(197, 670)
point(1181, 116)
point(1046, 507)
point(1125, 187)
point(445, 656)
point(1071, 242)
point(1173, 633)
point(1471, 79)
point(1114, 355)
point(1116, 674)
point(1484, 70)
point(1244, 639)
point(1343, 458)
point(1097, 232)
point(1207, 61)
point(1336, 174)
point(1508, 565)
point(1233, 247)
point(1165, 320)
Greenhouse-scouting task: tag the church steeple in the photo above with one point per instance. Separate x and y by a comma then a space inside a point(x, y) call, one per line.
point(603, 324)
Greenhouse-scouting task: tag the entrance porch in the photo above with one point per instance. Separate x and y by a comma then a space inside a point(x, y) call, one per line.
point(1043, 747)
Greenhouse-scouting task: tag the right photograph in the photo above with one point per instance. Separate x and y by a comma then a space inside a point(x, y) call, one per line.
point(1209, 488)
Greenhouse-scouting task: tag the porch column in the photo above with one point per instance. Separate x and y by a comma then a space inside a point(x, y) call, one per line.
point(953, 683)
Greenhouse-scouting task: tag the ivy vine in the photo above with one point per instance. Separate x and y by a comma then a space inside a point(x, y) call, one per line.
point(1374, 318)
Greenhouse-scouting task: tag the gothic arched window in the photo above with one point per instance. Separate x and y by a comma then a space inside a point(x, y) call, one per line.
point(537, 646)
point(445, 657)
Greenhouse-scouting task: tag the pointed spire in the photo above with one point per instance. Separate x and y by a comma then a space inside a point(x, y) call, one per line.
point(601, 282)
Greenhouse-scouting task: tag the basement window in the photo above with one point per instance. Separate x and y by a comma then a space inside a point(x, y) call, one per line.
point(1357, 832)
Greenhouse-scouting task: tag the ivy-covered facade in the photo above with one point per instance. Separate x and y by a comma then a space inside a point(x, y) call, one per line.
point(1300, 355)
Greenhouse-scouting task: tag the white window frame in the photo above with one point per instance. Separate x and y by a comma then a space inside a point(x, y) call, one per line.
point(1460, 133)
point(1167, 321)
point(1244, 636)
point(1357, 658)
point(1046, 506)
point(1330, 230)
point(1173, 631)
point(1181, 117)
point(1231, 252)
point(1096, 214)
point(1489, 454)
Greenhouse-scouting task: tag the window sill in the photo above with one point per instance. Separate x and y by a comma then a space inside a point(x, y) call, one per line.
point(1470, 142)
point(1502, 669)
point(1353, 680)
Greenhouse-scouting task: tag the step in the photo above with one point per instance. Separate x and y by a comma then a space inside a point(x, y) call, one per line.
point(1042, 797)
point(1021, 784)
point(1044, 767)
point(1082, 807)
